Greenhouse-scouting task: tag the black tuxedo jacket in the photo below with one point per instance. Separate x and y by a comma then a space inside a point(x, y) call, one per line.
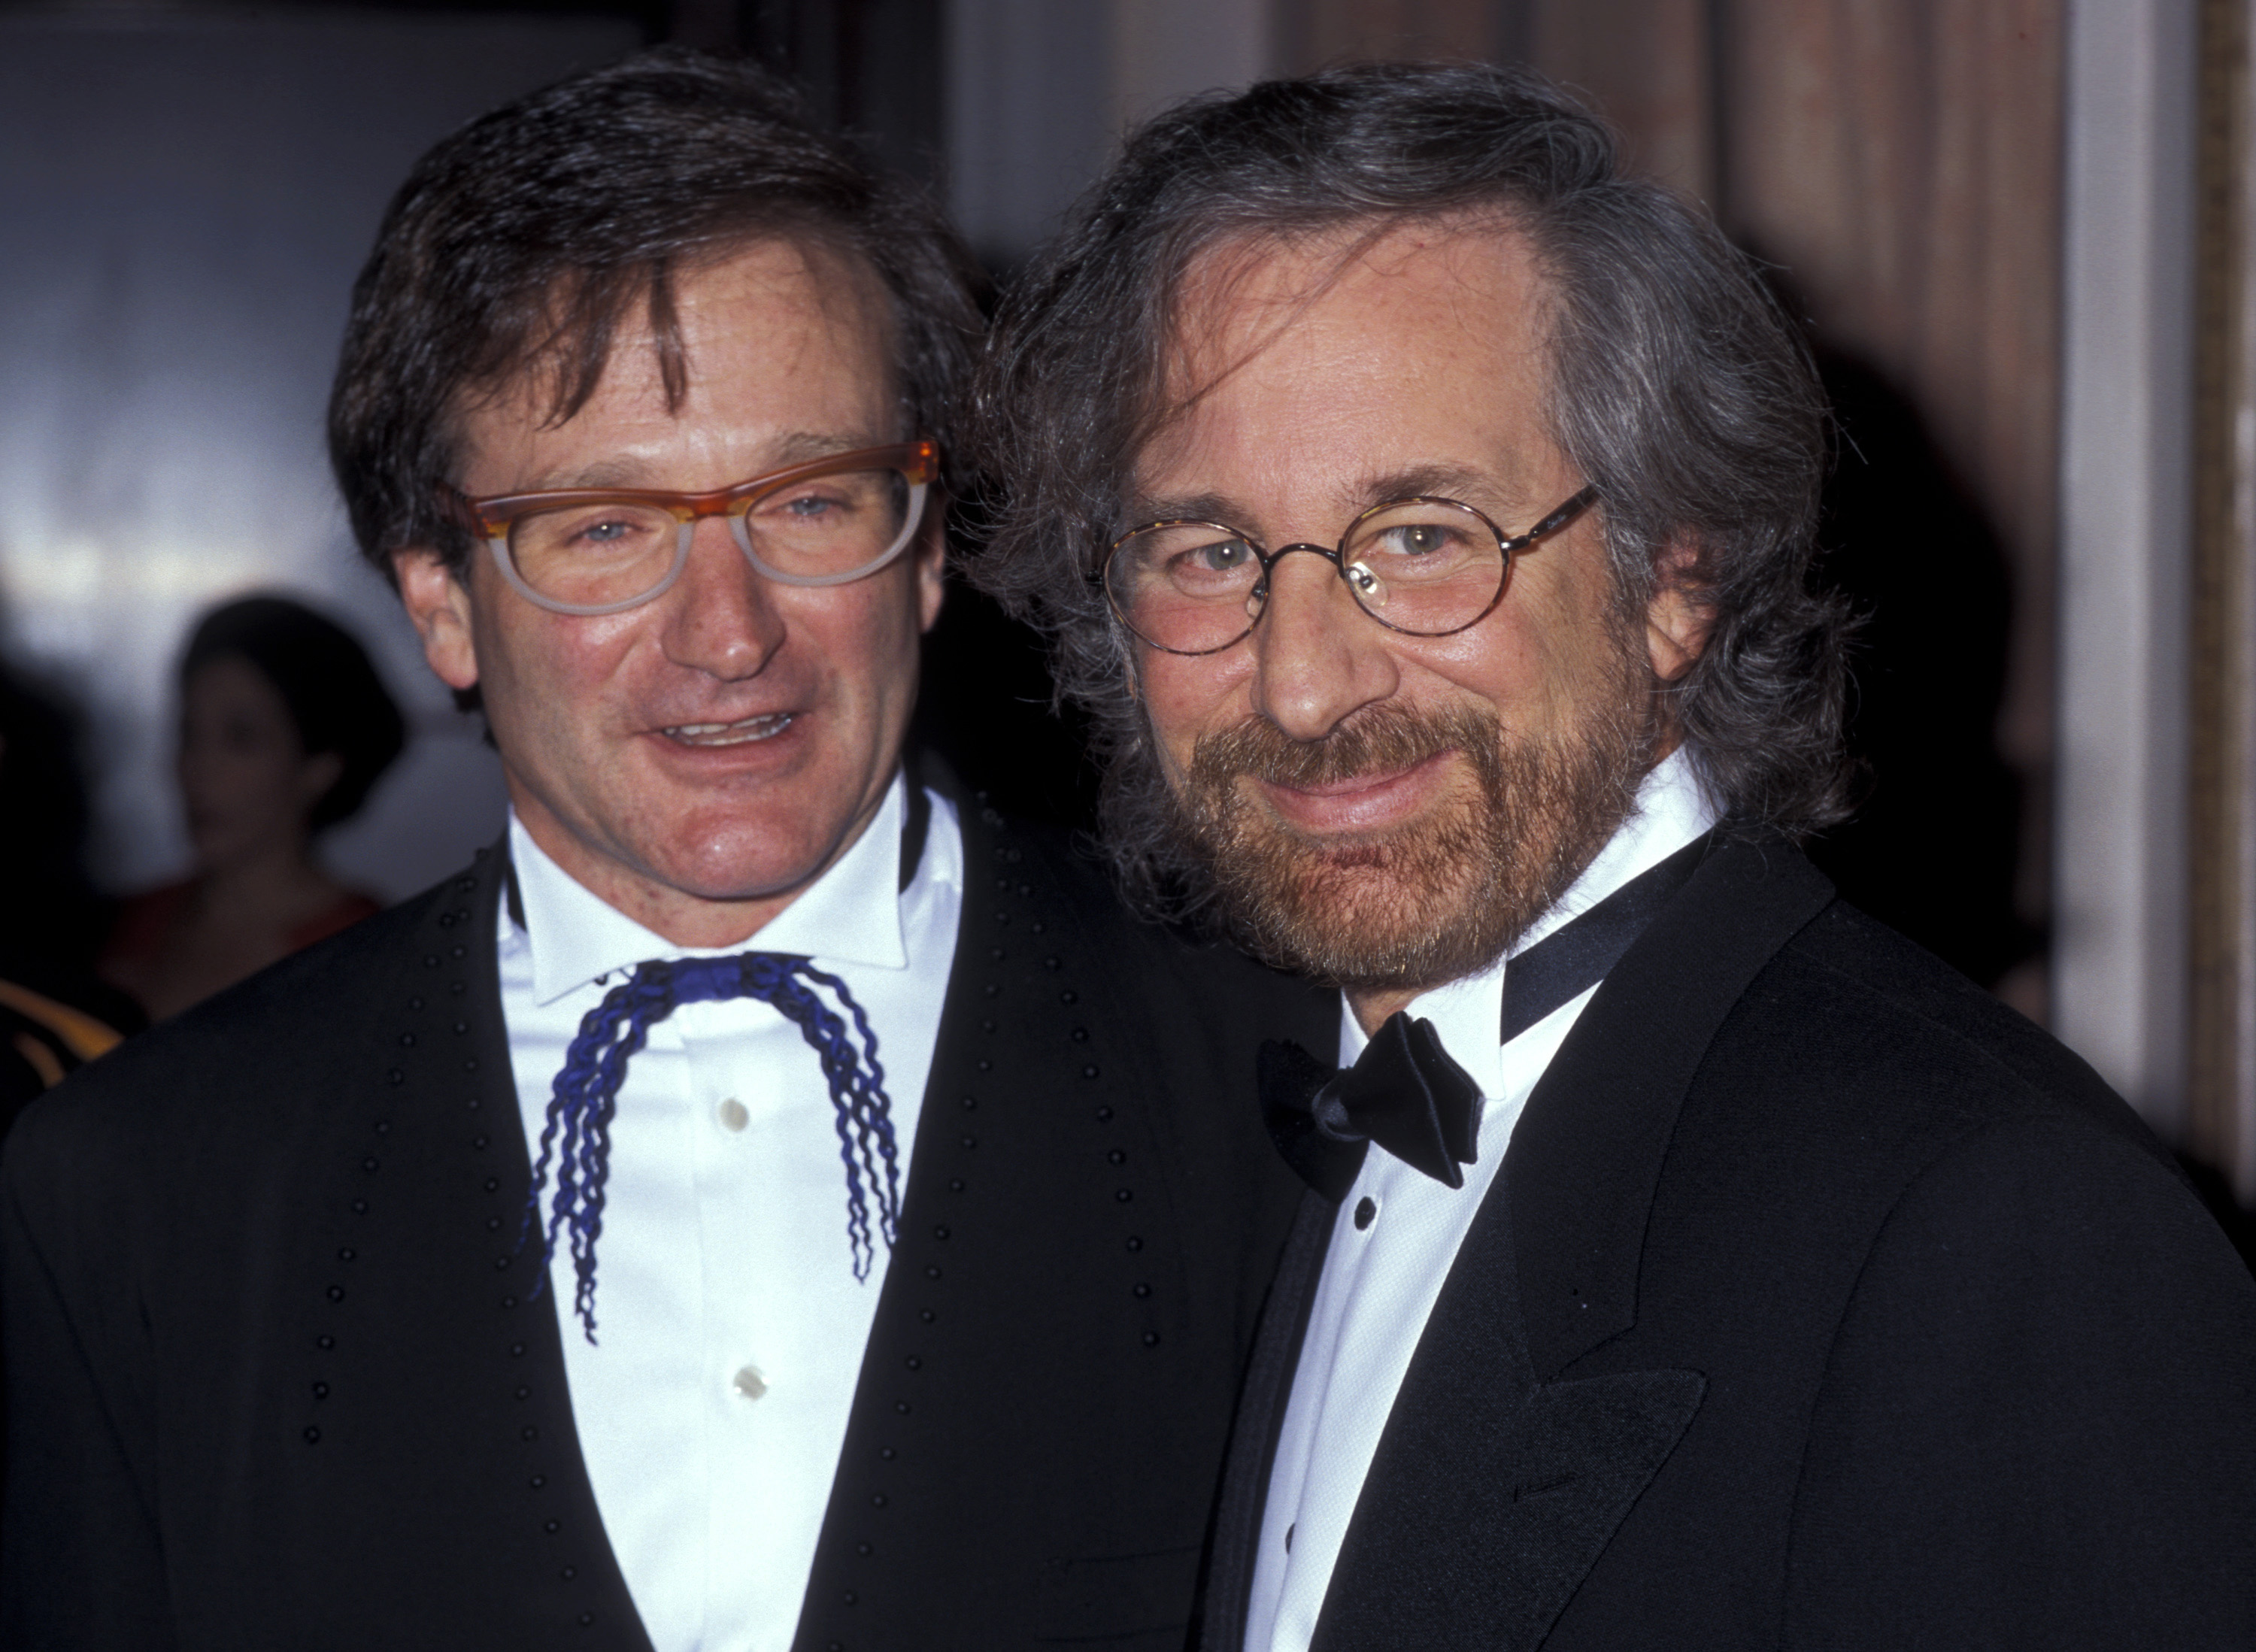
point(1822, 1301)
point(277, 1378)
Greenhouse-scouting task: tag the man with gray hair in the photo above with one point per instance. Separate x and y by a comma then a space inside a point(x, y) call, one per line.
point(1423, 509)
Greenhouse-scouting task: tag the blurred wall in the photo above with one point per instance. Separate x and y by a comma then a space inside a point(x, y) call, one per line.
point(187, 200)
point(1038, 92)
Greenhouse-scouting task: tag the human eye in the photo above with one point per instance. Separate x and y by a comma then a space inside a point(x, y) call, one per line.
point(824, 505)
point(1207, 565)
point(811, 507)
point(1419, 540)
point(599, 532)
point(603, 531)
point(1221, 556)
point(1422, 540)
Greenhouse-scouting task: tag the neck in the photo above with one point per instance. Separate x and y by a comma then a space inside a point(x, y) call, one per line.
point(682, 915)
point(270, 876)
point(1373, 1006)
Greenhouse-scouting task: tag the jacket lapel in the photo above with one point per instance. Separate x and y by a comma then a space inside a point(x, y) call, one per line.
point(1493, 1494)
point(1587, 1152)
point(1499, 1481)
point(437, 1410)
point(1260, 1419)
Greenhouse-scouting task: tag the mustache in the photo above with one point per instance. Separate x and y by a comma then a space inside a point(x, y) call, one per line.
point(1383, 739)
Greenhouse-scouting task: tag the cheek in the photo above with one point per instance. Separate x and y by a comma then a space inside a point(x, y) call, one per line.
point(866, 634)
point(1184, 698)
point(281, 783)
point(542, 669)
point(1526, 661)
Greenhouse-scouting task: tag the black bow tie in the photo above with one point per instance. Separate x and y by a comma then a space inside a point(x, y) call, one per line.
point(1404, 1092)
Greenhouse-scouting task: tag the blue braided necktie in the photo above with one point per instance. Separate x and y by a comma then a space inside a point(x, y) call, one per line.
point(578, 1132)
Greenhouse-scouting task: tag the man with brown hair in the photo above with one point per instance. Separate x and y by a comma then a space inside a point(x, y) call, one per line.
point(1422, 507)
point(777, 1201)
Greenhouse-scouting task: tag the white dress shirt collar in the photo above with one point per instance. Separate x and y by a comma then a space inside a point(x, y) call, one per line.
point(850, 915)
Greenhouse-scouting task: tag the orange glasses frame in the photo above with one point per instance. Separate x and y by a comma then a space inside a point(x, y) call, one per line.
point(494, 516)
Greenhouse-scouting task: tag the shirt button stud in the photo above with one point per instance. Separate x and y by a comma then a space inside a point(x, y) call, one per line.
point(749, 1383)
point(1365, 1213)
point(733, 1116)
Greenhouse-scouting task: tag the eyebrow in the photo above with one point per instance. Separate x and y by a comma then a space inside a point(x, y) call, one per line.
point(798, 446)
point(1476, 488)
point(1183, 507)
point(1434, 482)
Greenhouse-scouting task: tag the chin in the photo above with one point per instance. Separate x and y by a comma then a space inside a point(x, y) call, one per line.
point(1437, 898)
point(744, 865)
point(1428, 905)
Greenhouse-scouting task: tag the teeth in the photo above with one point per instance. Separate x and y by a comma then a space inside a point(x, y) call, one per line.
point(759, 728)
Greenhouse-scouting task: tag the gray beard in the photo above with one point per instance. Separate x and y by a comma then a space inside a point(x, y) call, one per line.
point(1441, 899)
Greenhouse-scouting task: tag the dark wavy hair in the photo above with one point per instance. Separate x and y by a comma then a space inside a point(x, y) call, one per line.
point(324, 676)
point(1678, 388)
point(520, 244)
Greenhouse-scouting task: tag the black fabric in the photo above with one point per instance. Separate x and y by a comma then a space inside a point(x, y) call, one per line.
point(1284, 1326)
point(1855, 1313)
point(915, 827)
point(1287, 1079)
point(1404, 1093)
point(277, 1378)
point(1575, 956)
point(1543, 1472)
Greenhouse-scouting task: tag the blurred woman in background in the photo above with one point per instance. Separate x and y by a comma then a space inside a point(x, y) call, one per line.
point(284, 727)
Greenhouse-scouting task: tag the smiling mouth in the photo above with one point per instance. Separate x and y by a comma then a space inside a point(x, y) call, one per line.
point(1361, 781)
point(764, 727)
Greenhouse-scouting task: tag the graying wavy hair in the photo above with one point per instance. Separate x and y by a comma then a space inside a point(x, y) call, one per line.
point(1680, 390)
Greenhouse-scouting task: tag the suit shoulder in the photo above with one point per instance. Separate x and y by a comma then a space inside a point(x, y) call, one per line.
point(1852, 1011)
point(237, 1063)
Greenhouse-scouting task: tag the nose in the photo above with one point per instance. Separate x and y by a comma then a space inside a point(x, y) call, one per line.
point(721, 614)
point(1318, 658)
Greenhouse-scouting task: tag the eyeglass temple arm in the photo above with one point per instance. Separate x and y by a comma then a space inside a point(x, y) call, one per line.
point(1558, 519)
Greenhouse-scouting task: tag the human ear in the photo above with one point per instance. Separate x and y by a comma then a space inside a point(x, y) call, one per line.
point(931, 555)
point(438, 605)
point(1680, 616)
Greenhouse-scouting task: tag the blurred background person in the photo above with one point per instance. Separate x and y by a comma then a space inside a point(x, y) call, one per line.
point(284, 727)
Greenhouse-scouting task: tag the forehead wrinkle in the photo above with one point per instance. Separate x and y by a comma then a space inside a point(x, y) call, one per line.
point(1229, 313)
point(847, 291)
point(1220, 320)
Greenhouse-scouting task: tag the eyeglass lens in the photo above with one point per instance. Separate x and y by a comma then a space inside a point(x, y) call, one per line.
point(597, 554)
point(1424, 566)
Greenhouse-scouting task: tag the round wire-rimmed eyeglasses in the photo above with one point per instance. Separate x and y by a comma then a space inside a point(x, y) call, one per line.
point(1424, 566)
point(588, 551)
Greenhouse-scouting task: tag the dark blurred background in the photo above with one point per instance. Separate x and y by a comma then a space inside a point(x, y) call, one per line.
point(188, 190)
